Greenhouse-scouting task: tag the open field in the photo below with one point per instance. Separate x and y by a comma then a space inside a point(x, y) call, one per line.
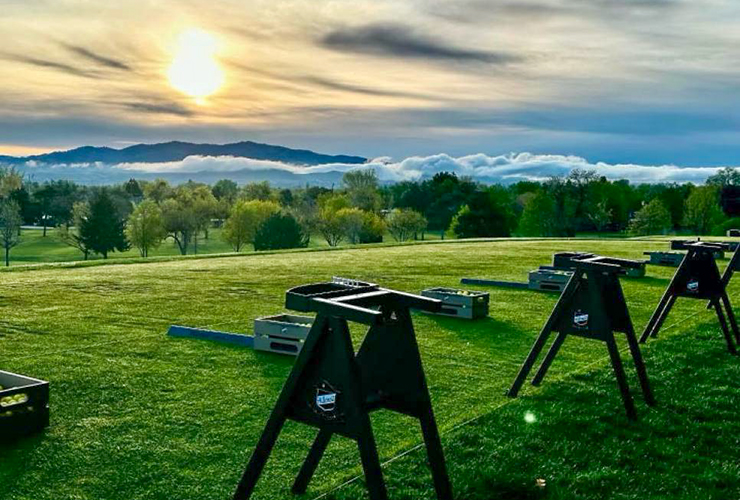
point(37, 248)
point(138, 415)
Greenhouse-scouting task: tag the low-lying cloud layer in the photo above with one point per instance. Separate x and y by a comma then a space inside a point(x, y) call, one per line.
point(503, 168)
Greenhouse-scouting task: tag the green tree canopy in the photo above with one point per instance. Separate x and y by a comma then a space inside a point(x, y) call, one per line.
point(145, 227)
point(246, 217)
point(103, 230)
point(653, 218)
point(280, 230)
point(702, 209)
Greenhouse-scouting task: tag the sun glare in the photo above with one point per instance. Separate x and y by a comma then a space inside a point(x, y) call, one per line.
point(194, 70)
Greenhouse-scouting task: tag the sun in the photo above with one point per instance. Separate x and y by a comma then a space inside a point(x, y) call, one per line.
point(194, 70)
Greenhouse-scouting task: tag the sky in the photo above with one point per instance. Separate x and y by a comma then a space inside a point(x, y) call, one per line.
point(628, 82)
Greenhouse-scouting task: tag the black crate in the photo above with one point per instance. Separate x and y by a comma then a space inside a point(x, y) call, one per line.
point(24, 405)
point(460, 303)
point(283, 334)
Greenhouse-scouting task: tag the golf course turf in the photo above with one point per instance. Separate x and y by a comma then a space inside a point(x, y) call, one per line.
point(139, 415)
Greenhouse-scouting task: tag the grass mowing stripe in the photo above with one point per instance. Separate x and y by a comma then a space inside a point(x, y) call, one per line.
point(454, 428)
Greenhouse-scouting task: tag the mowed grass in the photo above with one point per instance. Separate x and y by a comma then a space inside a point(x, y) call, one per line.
point(138, 415)
point(34, 247)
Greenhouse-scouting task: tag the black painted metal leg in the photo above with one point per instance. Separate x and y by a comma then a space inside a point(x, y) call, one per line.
point(528, 363)
point(435, 454)
point(570, 290)
point(731, 316)
point(723, 326)
point(549, 357)
point(312, 461)
point(261, 454)
point(656, 314)
point(647, 392)
point(371, 464)
point(659, 324)
point(629, 404)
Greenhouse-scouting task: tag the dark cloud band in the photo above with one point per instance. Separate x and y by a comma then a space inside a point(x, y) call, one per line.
point(395, 40)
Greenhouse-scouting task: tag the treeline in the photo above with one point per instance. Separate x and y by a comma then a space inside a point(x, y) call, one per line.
point(143, 214)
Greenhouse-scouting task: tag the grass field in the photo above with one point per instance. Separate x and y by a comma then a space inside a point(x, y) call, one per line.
point(37, 248)
point(138, 415)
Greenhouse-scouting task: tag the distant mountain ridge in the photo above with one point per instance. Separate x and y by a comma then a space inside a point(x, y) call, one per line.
point(177, 151)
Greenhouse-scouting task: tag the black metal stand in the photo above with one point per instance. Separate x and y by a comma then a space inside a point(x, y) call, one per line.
point(592, 306)
point(334, 389)
point(698, 278)
point(733, 266)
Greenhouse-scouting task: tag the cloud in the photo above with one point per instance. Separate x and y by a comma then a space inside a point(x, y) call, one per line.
point(290, 76)
point(167, 108)
point(396, 40)
point(45, 63)
point(97, 58)
point(504, 169)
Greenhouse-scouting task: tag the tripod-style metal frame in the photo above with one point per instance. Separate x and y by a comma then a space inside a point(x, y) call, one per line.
point(334, 389)
point(592, 306)
point(698, 278)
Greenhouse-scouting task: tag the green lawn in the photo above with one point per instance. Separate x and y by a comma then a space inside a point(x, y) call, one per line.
point(138, 415)
point(34, 247)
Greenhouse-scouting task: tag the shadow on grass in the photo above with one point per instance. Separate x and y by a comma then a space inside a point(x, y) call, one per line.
point(485, 334)
point(574, 435)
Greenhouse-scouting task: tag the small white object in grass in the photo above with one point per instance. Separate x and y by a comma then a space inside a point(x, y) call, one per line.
point(530, 418)
point(541, 483)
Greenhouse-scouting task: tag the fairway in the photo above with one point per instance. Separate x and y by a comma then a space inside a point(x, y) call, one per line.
point(138, 415)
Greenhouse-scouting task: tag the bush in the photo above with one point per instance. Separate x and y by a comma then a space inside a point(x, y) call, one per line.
point(373, 228)
point(404, 223)
point(280, 231)
point(359, 226)
point(721, 229)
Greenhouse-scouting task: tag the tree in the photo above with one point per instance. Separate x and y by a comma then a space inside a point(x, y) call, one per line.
point(179, 222)
point(278, 231)
point(404, 223)
point(10, 225)
point(600, 215)
point(653, 218)
point(257, 191)
point(351, 221)
point(158, 190)
point(204, 207)
point(225, 189)
point(246, 217)
point(330, 226)
point(134, 191)
point(71, 235)
point(538, 218)
point(373, 228)
point(55, 200)
point(103, 230)
point(362, 189)
point(488, 213)
point(286, 198)
point(702, 209)
point(10, 181)
point(145, 227)
point(725, 177)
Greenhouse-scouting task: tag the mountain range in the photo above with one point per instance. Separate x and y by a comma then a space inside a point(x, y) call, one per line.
point(176, 151)
point(100, 165)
